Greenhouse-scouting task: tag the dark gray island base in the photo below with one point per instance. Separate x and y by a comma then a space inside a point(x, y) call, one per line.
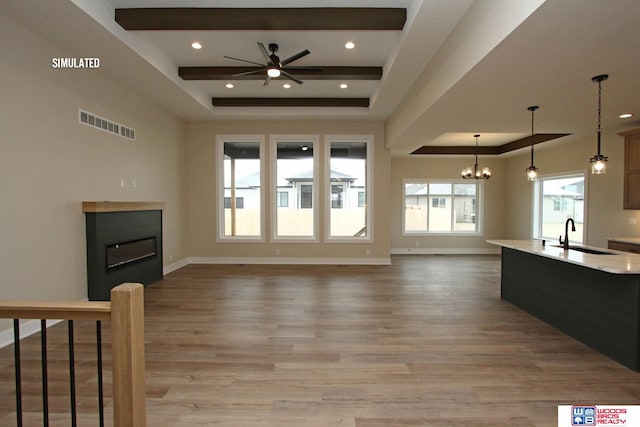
point(599, 308)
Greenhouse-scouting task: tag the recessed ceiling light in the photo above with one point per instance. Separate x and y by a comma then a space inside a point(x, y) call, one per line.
point(349, 45)
point(343, 86)
point(229, 85)
point(286, 86)
point(625, 115)
point(196, 45)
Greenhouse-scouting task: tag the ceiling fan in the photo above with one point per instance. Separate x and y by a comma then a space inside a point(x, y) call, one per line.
point(274, 67)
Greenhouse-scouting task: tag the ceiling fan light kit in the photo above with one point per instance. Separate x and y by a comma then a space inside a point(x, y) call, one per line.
point(273, 72)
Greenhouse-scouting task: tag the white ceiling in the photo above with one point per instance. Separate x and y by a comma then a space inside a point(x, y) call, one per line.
point(459, 67)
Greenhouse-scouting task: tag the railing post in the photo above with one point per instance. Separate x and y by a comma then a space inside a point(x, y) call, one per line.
point(127, 322)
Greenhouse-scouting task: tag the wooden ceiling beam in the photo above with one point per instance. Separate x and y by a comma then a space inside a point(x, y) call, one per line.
point(321, 73)
point(526, 141)
point(458, 149)
point(263, 19)
point(490, 150)
point(290, 102)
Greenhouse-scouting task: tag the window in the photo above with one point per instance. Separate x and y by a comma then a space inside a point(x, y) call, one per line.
point(240, 200)
point(294, 187)
point(559, 204)
point(441, 207)
point(306, 196)
point(337, 195)
point(439, 202)
point(348, 174)
point(283, 199)
point(557, 198)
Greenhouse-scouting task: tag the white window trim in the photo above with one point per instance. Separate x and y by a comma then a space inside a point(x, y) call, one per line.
point(536, 225)
point(479, 208)
point(369, 190)
point(220, 140)
point(273, 188)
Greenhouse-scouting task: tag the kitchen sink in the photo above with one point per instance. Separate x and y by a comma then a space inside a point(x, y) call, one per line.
point(586, 250)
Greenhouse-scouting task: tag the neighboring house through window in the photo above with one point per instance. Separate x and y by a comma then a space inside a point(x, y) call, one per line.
point(349, 174)
point(240, 186)
point(441, 207)
point(295, 161)
point(295, 187)
point(557, 198)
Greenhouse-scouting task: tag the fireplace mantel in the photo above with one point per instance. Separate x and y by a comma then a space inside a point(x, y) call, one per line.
point(96, 207)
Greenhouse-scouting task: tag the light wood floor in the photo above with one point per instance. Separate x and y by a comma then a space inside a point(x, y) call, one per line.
point(424, 342)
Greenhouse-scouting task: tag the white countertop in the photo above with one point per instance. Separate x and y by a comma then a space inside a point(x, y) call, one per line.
point(618, 262)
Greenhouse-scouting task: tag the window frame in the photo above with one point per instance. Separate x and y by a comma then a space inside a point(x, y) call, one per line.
point(369, 188)
point(479, 219)
point(273, 188)
point(537, 205)
point(219, 150)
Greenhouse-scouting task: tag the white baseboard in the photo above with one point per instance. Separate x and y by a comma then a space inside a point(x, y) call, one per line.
point(27, 328)
point(445, 251)
point(174, 266)
point(290, 261)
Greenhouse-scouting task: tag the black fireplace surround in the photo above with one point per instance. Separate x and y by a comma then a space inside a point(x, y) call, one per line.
point(122, 246)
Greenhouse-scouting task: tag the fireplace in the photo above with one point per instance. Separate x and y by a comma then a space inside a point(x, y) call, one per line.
point(124, 253)
point(124, 244)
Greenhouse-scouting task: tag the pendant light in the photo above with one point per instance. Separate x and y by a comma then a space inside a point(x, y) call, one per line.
point(599, 162)
point(475, 172)
point(532, 171)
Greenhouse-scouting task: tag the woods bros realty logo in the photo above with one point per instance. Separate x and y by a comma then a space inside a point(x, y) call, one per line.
point(598, 415)
point(75, 62)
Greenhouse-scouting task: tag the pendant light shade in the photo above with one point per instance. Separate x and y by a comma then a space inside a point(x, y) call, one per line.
point(532, 171)
point(475, 172)
point(599, 162)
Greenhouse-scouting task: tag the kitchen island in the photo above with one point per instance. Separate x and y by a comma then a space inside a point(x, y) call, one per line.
point(592, 297)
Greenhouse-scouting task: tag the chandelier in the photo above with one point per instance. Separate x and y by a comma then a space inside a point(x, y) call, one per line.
point(475, 172)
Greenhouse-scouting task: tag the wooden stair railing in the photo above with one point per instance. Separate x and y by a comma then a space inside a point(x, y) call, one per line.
point(125, 311)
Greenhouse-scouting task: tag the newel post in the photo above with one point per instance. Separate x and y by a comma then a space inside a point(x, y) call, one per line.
point(127, 323)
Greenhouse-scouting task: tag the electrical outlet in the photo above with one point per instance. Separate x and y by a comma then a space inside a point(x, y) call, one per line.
point(633, 221)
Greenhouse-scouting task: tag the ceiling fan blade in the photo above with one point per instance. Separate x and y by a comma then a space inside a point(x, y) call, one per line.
point(246, 73)
point(290, 77)
point(244, 60)
point(266, 82)
point(264, 52)
point(295, 57)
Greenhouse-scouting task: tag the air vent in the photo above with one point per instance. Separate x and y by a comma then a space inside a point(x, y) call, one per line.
point(106, 125)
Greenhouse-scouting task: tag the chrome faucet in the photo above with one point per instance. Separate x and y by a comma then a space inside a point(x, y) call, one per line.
point(565, 244)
